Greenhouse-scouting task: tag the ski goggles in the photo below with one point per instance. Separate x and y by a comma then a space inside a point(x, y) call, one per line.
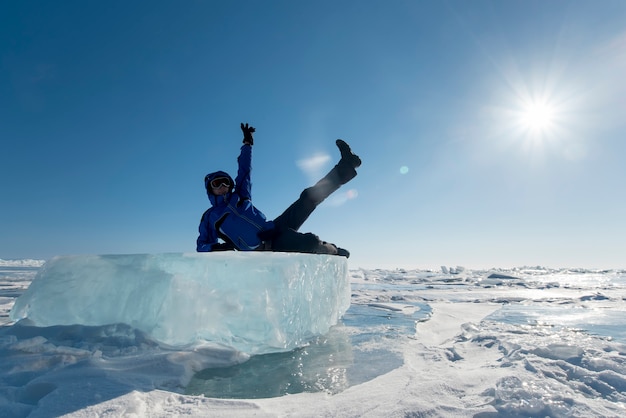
point(220, 181)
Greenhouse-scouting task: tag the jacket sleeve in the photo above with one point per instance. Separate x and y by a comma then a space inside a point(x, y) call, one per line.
point(207, 237)
point(243, 184)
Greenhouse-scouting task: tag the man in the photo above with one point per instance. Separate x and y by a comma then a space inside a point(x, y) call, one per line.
point(233, 219)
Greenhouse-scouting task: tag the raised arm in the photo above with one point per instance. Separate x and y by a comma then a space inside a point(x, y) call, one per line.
point(243, 183)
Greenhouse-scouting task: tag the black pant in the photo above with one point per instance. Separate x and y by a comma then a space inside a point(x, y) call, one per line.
point(286, 236)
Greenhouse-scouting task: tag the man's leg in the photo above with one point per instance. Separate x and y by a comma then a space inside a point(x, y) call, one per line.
point(311, 197)
point(292, 241)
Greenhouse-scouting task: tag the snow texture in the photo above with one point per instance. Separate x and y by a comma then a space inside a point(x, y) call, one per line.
point(253, 302)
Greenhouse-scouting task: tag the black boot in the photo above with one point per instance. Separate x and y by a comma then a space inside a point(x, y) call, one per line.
point(332, 249)
point(347, 157)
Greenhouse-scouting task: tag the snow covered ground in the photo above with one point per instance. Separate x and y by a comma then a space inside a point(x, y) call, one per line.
point(451, 342)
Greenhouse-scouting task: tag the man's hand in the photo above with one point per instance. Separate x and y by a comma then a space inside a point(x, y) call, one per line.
point(247, 134)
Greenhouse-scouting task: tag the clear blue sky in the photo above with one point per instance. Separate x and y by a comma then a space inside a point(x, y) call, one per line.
point(492, 133)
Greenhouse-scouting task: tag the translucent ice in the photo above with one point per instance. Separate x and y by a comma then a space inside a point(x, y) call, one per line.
point(254, 302)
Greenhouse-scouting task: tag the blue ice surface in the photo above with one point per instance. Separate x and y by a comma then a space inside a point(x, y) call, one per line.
point(375, 320)
point(251, 301)
point(353, 352)
point(595, 321)
point(356, 350)
point(587, 313)
point(385, 286)
point(14, 280)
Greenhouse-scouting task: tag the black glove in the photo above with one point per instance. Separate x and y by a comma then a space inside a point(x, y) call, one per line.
point(247, 134)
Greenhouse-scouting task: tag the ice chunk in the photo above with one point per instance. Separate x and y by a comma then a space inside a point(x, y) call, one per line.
point(254, 302)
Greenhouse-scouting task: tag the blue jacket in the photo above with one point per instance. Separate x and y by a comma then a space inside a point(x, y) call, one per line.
point(232, 217)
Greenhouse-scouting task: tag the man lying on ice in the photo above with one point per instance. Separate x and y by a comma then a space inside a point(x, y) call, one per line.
point(241, 226)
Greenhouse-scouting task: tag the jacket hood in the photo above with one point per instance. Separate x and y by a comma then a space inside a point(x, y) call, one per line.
point(211, 176)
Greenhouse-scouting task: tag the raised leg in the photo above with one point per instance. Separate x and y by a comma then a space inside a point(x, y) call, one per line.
point(311, 197)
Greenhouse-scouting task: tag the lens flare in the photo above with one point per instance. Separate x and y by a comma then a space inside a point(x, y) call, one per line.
point(352, 194)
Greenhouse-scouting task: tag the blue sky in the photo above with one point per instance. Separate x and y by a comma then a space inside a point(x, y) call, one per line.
point(491, 132)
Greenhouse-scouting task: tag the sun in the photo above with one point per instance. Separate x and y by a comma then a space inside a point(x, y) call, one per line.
point(537, 117)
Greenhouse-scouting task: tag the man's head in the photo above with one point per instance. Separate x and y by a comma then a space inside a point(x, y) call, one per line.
point(218, 183)
point(220, 186)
